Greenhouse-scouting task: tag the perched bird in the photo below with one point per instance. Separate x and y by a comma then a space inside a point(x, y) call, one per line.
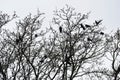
point(89, 39)
point(41, 60)
point(98, 22)
point(45, 56)
point(17, 41)
point(87, 26)
point(82, 26)
point(36, 35)
point(60, 29)
point(102, 33)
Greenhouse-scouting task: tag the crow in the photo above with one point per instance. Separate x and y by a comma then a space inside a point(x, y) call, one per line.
point(98, 22)
point(87, 25)
point(45, 56)
point(60, 29)
point(89, 39)
point(82, 26)
point(41, 60)
point(36, 35)
point(102, 33)
point(17, 41)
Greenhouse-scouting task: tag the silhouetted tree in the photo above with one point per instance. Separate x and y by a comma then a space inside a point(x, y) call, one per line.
point(30, 53)
point(113, 55)
point(22, 51)
point(4, 57)
point(75, 51)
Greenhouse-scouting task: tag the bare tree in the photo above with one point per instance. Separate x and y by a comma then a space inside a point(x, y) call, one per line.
point(113, 54)
point(75, 47)
point(70, 49)
point(22, 50)
point(4, 19)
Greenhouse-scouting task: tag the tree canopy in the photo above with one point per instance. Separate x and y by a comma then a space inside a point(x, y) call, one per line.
point(69, 49)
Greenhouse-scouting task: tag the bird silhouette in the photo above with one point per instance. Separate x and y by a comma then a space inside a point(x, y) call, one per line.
point(102, 33)
point(36, 35)
point(87, 26)
point(82, 26)
point(60, 29)
point(45, 56)
point(42, 60)
point(89, 39)
point(98, 22)
point(17, 41)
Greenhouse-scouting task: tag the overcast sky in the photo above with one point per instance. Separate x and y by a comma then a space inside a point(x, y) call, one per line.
point(108, 10)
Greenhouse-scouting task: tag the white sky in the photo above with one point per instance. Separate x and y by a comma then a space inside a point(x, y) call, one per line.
point(108, 10)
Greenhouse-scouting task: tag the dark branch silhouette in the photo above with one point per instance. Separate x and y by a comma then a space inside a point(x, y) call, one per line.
point(2, 72)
